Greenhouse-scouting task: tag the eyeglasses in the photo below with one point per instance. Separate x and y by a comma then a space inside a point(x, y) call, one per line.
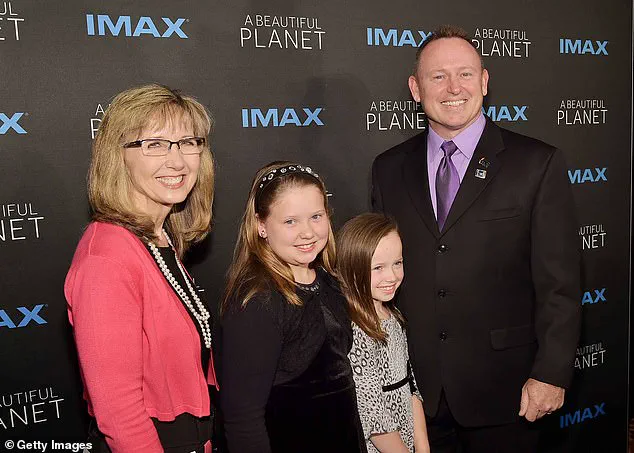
point(161, 147)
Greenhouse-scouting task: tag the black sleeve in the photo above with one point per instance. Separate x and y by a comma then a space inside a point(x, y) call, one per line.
point(250, 346)
point(555, 265)
point(376, 198)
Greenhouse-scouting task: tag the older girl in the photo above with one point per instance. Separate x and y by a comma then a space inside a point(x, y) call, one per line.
point(286, 382)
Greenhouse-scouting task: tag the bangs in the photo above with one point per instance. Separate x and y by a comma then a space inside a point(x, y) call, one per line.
point(168, 115)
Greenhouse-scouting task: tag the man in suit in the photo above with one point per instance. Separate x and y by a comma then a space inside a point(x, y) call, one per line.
point(492, 260)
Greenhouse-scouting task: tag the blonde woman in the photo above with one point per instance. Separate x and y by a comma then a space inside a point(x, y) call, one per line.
point(140, 325)
point(286, 381)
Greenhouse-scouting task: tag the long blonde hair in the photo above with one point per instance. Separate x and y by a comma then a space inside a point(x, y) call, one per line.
point(109, 184)
point(356, 242)
point(255, 267)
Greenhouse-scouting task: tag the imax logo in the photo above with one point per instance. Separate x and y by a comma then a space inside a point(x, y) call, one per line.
point(28, 315)
point(144, 26)
point(583, 47)
point(396, 38)
point(306, 117)
point(582, 176)
point(9, 123)
point(580, 416)
point(594, 297)
point(503, 112)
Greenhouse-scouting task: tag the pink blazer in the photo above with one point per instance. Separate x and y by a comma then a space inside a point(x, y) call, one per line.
point(139, 351)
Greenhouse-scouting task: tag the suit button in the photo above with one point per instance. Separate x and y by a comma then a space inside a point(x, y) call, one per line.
point(443, 336)
point(442, 248)
point(442, 293)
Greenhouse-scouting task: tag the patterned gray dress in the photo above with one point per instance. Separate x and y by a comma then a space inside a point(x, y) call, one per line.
point(375, 365)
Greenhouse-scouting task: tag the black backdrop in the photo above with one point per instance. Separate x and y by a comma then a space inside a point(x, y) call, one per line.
point(335, 75)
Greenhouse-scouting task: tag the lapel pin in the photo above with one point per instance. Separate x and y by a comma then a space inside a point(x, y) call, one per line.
point(481, 173)
point(485, 163)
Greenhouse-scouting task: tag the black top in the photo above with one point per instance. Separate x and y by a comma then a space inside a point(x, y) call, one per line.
point(271, 342)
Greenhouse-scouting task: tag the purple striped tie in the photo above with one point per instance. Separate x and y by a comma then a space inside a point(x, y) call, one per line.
point(447, 183)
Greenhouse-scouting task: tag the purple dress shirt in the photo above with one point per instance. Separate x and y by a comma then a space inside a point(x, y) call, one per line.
point(466, 141)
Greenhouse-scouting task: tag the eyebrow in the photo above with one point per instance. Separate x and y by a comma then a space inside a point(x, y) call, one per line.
point(461, 68)
point(383, 262)
point(294, 216)
point(161, 137)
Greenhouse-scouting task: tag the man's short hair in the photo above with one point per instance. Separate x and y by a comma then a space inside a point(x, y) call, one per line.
point(445, 31)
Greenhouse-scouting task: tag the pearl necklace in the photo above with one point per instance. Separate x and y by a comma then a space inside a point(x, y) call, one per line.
point(202, 315)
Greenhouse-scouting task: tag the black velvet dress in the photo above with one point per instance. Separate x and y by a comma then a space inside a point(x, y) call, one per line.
point(286, 384)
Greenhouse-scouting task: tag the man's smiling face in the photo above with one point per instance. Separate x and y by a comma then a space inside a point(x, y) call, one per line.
point(450, 84)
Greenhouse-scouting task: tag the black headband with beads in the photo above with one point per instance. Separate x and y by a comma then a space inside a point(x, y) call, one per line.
point(283, 171)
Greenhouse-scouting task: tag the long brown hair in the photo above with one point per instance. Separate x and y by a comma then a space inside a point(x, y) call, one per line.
point(356, 242)
point(255, 267)
point(109, 184)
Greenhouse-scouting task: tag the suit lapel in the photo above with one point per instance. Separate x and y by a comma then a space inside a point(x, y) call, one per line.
point(486, 151)
point(417, 183)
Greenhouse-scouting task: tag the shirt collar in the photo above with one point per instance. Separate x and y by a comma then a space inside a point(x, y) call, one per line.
point(466, 141)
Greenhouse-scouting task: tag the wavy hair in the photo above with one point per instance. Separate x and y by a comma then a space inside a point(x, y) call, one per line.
point(255, 267)
point(109, 184)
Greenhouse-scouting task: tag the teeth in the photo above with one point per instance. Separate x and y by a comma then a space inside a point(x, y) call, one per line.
point(304, 247)
point(170, 180)
point(454, 103)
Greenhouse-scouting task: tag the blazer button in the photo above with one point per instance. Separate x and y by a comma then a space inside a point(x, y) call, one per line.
point(442, 293)
point(443, 336)
point(442, 248)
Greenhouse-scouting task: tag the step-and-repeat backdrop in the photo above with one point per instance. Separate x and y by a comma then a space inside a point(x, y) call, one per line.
point(320, 82)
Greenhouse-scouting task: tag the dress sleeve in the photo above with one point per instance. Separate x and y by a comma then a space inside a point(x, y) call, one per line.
point(367, 363)
point(414, 384)
point(251, 344)
point(416, 392)
point(105, 309)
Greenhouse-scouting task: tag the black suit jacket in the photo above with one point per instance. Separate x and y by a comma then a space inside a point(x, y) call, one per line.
point(495, 298)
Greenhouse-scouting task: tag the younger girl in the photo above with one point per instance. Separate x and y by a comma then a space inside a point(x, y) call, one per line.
point(370, 267)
